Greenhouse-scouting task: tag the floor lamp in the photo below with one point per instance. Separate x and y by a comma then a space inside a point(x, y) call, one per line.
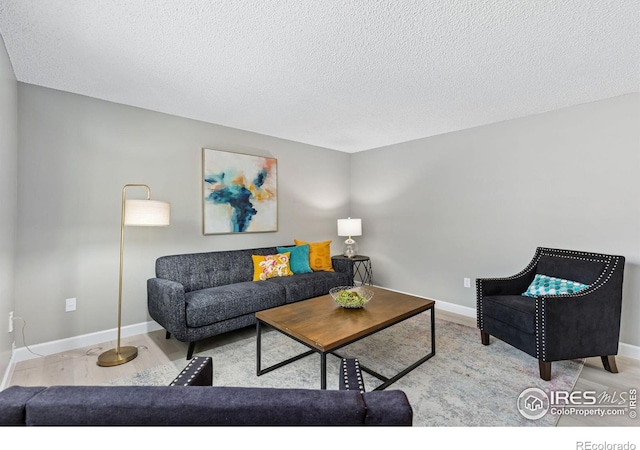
point(148, 213)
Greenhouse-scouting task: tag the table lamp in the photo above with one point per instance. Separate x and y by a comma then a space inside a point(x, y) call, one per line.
point(350, 227)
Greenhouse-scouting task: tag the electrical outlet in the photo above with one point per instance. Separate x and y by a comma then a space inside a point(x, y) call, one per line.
point(11, 322)
point(70, 304)
point(467, 282)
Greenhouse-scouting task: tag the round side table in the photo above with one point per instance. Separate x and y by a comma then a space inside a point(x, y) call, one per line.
point(361, 268)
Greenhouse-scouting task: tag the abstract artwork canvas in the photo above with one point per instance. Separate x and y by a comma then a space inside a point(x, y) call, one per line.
point(240, 193)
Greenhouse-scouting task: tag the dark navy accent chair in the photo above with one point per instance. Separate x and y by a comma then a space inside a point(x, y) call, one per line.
point(556, 327)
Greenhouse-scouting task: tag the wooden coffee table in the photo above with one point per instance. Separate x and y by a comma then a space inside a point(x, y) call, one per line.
point(323, 326)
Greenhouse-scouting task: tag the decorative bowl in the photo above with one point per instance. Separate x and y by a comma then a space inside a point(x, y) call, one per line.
point(350, 296)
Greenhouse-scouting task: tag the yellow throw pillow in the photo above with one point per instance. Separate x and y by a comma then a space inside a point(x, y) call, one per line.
point(319, 255)
point(271, 266)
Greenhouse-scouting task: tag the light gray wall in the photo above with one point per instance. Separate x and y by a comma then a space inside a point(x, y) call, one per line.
point(8, 198)
point(477, 203)
point(76, 154)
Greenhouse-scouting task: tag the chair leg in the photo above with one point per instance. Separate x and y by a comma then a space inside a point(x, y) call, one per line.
point(167, 335)
point(485, 338)
point(192, 347)
point(545, 369)
point(609, 363)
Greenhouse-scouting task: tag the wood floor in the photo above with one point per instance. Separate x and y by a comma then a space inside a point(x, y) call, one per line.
point(78, 367)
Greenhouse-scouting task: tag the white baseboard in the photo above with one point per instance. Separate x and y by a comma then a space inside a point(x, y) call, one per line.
point(456, 309)
point(445, 306)
point(629, 351)
point(72, 343)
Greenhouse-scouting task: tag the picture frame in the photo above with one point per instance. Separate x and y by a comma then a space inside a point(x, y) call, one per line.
point(239, 193)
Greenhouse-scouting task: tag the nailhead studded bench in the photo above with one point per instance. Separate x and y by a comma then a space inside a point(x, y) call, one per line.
point(351, 375)
point(199, 372)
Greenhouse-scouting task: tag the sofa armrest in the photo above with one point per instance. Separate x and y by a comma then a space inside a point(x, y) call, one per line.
point(13, 404)
point(514, 285)
point(166, 303)
point(388, 408)
point(567, 319)
point(351, 375)
point(343, 265)
point(199, 372)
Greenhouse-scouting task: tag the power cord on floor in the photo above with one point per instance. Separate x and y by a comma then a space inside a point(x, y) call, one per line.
point(24, 340)
point(90, 352)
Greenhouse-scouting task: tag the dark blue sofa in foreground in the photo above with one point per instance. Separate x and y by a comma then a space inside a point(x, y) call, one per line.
point(191, 400)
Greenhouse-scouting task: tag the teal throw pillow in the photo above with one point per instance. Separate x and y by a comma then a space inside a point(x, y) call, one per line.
point(299, 261)
point(543, 285)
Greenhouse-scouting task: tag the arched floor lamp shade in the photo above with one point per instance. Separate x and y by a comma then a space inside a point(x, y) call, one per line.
point(146, 213)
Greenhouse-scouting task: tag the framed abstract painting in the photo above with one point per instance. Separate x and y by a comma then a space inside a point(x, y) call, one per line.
point(240, 193)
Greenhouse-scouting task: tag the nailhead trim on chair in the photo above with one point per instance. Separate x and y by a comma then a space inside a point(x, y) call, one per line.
point(607, 259)
point(200, 362)
point(479, 304)
point(541, 343)
point(541, 251)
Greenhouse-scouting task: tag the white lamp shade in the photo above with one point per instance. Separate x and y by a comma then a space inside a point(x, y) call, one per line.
point(146, 213)
point(349, 227)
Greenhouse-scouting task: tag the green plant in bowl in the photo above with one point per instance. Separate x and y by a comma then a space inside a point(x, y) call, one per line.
point(351, 297)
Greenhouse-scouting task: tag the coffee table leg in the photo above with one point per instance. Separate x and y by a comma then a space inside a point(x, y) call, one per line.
point(433, 331)
point(259, 369)
point(259, 343)
point(323, 370)
point(389, 381)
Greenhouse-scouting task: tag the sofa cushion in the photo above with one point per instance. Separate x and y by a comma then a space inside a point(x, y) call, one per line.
point(299, 258)
point(269, 266)
point(196, 405)
point(212, 305)
point(197, 271)
point(512, 335)
point(319, 255)
point(516, 310)
point(307, 285)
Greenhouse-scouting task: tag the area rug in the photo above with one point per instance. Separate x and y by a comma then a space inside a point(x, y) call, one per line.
point(464, 384)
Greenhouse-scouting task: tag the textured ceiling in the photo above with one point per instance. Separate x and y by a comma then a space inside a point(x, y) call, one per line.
point(348, 75)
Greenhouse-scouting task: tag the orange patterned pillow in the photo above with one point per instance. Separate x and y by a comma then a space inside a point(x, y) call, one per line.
point(319, 255)
point(270, 266)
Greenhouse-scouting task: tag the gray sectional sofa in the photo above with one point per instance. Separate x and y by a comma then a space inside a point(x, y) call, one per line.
point(191, 400)
point(199, 295)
